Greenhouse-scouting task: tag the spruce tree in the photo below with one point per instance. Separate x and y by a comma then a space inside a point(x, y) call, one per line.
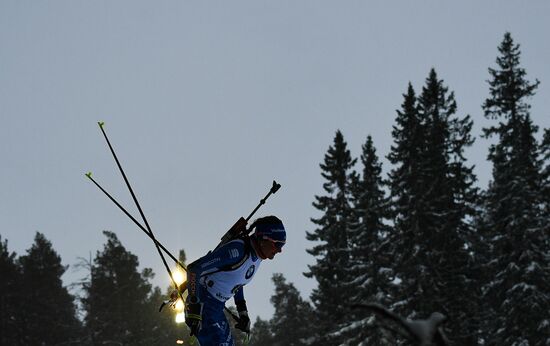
point(434, 198)
point(404, 178)
point(370, 264)
point(10, 305)
point(331, 236)
point(545, 189)
point(261, 334)
point(290, 323)
point(117, 303)
point(519, 282)
point(49, 312)
point(406, 191)
point(451, 199)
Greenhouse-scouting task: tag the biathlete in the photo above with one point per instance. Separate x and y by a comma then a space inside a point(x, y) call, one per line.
point(222, 274)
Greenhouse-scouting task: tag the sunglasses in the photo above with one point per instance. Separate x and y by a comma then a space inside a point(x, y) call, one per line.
point(278, 243)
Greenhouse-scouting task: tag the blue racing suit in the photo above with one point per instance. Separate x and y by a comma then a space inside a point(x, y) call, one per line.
point(214, 279)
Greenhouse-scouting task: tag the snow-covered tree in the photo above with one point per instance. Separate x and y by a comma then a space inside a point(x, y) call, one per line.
point(370, 269)
point(450, 200)
point(514, 221)
point(261, 334)
point(331, 249)
point(291, 322)
point(405, 179)
point(545, 189)
point(433, 201)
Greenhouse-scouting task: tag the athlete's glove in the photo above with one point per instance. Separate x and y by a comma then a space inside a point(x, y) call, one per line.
point(171, 302)
point(193, 315)
point(244, 321)
point(174, 295)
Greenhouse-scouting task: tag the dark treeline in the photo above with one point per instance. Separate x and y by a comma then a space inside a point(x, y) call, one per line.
point(421, 238)
point(425, 237)
point(116, 306)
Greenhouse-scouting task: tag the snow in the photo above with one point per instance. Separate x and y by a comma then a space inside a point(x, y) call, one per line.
point(397, 281)
point(523, 286)
point(532, 267)
point(384, 270)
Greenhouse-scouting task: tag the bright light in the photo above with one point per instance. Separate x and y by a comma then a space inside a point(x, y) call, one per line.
point(179, 305)
point(179, 275)
point(180, 317)
point(179, 342)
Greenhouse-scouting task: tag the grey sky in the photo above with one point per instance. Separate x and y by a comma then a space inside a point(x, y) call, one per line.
point(206, 102)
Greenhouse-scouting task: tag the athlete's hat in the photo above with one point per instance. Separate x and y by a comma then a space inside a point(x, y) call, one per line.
point(270, 228)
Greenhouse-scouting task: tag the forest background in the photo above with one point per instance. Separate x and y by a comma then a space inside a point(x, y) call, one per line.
point(422, 239)
point(193, 109)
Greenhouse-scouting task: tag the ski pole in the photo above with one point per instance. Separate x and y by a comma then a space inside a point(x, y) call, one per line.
point(139, 208)
point(150, 233)
point(89, 175)
point(183, 286)
point(147, 231)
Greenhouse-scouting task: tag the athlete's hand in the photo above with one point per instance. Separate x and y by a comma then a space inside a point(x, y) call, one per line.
point(193, 315)
point(174, 295)
point(244, 322)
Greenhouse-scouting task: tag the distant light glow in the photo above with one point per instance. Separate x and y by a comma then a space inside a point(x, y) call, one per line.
point(179, 342)
point(179, 275)
point(180, 317)
point(179, 305)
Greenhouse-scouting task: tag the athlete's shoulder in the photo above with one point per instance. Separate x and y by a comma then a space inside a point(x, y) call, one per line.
point(234, 249)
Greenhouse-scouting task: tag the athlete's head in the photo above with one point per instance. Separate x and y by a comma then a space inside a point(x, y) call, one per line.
point(269, 236)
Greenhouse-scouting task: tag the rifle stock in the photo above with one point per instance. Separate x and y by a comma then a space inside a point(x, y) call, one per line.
point(237, 229)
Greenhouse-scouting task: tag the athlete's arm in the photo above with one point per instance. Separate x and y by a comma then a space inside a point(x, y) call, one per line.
point(244, 320)
point(239, 295)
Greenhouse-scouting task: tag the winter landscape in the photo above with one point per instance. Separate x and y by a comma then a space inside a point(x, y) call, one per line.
point(411, 142)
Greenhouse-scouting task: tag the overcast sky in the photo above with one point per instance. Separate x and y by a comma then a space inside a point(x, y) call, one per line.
point(206, 102)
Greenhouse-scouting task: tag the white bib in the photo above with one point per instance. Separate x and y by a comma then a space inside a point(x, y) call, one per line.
point(224, 284)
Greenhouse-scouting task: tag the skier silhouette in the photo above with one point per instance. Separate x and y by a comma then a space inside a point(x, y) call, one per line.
point(221, 274)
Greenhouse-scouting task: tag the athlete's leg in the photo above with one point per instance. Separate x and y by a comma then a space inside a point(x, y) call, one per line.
point(215, 329)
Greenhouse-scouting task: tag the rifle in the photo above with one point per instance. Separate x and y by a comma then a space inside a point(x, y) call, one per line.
point(239, 228)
